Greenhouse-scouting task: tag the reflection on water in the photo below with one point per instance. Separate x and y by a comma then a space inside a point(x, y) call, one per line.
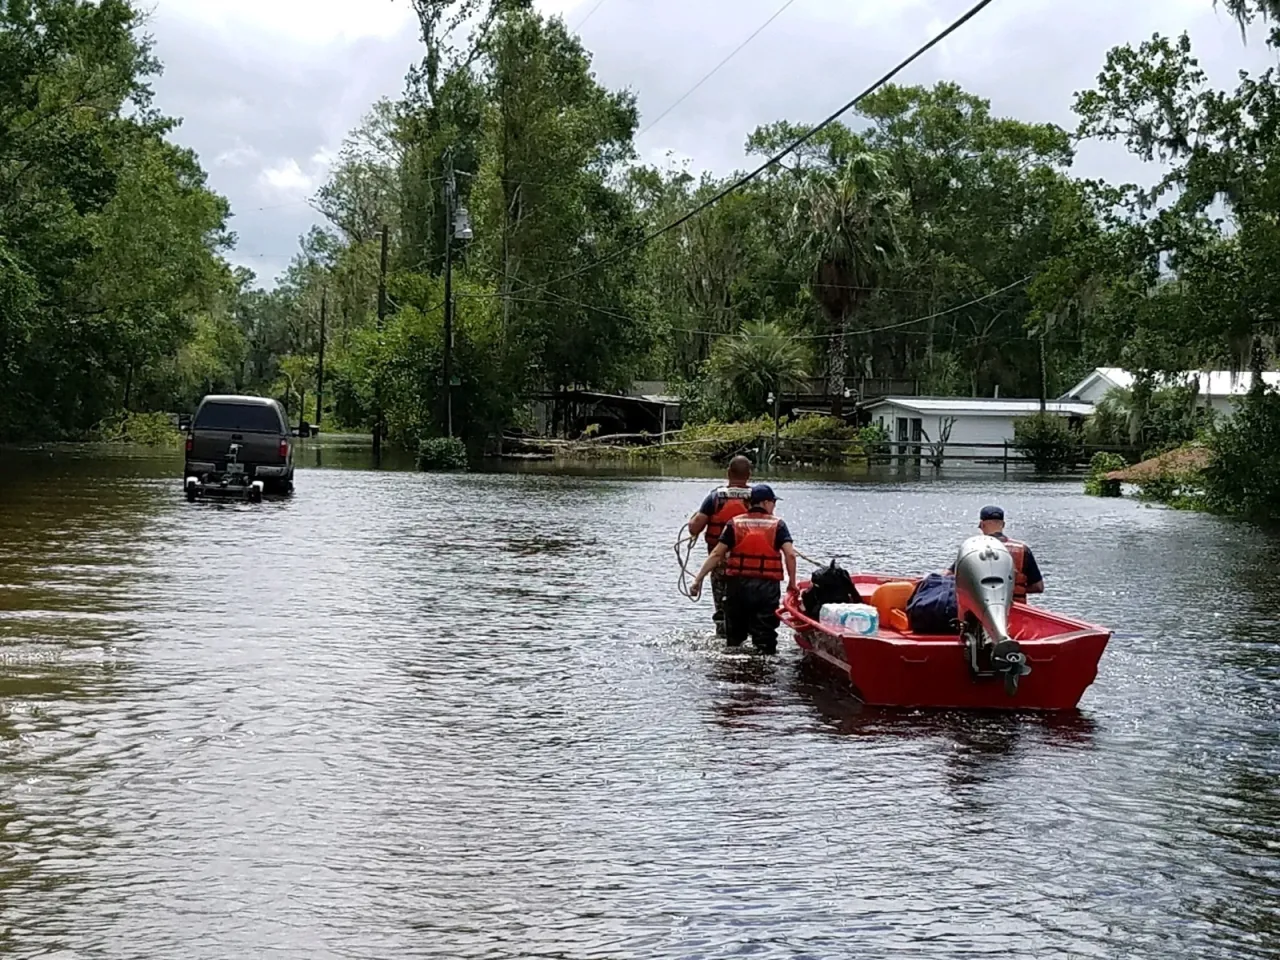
point(442, 716)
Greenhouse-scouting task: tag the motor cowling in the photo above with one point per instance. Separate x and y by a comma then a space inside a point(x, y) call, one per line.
point(984, 573)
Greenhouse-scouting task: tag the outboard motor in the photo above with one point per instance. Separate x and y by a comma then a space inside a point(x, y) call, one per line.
point(984, 597)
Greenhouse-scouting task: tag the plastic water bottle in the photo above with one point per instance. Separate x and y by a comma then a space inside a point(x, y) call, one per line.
point(857, 619)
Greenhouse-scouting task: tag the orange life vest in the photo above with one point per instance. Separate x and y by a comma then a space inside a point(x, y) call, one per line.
point(753, 553)
point(729, 502)
point(1018, 551)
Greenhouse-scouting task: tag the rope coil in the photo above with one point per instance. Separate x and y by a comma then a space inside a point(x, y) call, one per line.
point(685, 542)
point(684, 551)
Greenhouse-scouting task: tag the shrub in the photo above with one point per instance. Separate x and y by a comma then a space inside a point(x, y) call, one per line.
point(1102, 464)
point(814, 438)
point(1243, 476)
point(873, 433)
point(442, 453)
point(1045, 440)
point(818, 427)
point(873, 438)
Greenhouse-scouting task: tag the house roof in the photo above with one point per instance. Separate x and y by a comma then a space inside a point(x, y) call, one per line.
point(599, 396)
point(1213, 383)
point(983, 406)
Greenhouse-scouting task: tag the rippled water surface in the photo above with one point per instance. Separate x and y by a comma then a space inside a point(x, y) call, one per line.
point(402, 715)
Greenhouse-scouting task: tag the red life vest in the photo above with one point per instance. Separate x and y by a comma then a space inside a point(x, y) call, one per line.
point(1018, 551)
point(753, 553)
point(729, 502)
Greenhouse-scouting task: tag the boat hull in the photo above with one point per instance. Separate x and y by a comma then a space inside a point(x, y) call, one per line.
point(893, 668)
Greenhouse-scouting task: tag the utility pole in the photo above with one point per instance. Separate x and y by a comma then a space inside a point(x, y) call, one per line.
point(324, 302)
point(382, 316)
point(448, 291)
point(1044, 379)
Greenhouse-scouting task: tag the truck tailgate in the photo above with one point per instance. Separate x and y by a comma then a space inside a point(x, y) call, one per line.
point(210, 446)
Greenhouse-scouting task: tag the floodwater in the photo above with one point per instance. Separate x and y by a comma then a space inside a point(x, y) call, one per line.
point(402, 715)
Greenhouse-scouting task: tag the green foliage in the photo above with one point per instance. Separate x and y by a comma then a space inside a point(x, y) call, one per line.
point(1109, 425)
point(760, 360)
point(848, 221)
point(148, 429)
point(1047, 441)
point(929, 240)
point(110, 235)
point(1243, 478)
point(719, 441)
point(442, 453)
point(806, 439)
point(815, 427)
point(1100, 465)
point(873, 434)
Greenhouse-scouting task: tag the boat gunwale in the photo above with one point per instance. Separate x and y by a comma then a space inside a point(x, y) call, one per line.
point(799, 622)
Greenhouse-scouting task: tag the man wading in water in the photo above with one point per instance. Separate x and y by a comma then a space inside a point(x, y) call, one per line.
point(721, 506)
point(754, 548)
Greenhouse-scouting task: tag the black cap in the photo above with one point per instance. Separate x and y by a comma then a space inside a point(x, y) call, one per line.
point(991, 513)
point(762, 492)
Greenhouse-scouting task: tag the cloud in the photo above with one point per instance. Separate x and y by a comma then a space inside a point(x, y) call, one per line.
point(299, 24)
point(241, 155)
point(269, 88)
point(287, 179)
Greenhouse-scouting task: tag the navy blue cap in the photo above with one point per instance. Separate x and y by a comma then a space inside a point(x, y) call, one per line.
point(991, 513)
point(762, 492)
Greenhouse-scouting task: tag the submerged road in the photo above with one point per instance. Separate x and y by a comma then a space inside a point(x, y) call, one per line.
point(402, 715)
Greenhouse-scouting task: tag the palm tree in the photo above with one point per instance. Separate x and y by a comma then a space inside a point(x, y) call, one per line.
point(848, 223)
point(760, 359)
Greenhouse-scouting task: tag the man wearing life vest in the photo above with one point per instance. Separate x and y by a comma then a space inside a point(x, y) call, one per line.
point(756, 549)
point(1026, 572)
point(720, 506)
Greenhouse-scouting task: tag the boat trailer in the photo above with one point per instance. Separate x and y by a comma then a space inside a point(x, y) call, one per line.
point(231, 483)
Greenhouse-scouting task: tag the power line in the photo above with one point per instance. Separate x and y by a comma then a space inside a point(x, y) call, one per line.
point(793, 146)
point(274, 206)
point(590, 13)
point(733, 53)
point(799, 336)
point(888, 326)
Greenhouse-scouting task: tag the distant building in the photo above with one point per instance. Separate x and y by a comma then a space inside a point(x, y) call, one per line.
point(970, 426)
point(1217, 387)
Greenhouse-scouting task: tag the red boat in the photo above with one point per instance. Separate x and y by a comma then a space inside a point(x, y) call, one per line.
point(894, 667)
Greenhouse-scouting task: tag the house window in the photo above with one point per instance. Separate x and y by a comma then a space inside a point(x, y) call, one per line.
point(903, 428)
point(917, 429)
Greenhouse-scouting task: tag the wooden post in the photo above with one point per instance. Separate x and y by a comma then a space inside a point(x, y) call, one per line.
point(1044, 379)
point(1006, 458)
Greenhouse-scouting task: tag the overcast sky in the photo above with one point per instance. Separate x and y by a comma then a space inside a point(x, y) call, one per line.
point(267, 89)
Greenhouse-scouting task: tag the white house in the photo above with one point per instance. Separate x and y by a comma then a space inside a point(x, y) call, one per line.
point(1217, 387)
point(970, 426)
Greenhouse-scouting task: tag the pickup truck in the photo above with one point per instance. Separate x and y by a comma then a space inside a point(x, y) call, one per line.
point(260, 429)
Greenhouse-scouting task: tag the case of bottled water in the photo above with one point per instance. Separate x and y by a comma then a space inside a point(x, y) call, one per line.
point(858, 619)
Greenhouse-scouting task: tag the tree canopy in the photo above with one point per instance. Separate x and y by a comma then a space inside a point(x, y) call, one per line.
point(926, 238)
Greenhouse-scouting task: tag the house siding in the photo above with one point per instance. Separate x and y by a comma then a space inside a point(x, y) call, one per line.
point(970, 432)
